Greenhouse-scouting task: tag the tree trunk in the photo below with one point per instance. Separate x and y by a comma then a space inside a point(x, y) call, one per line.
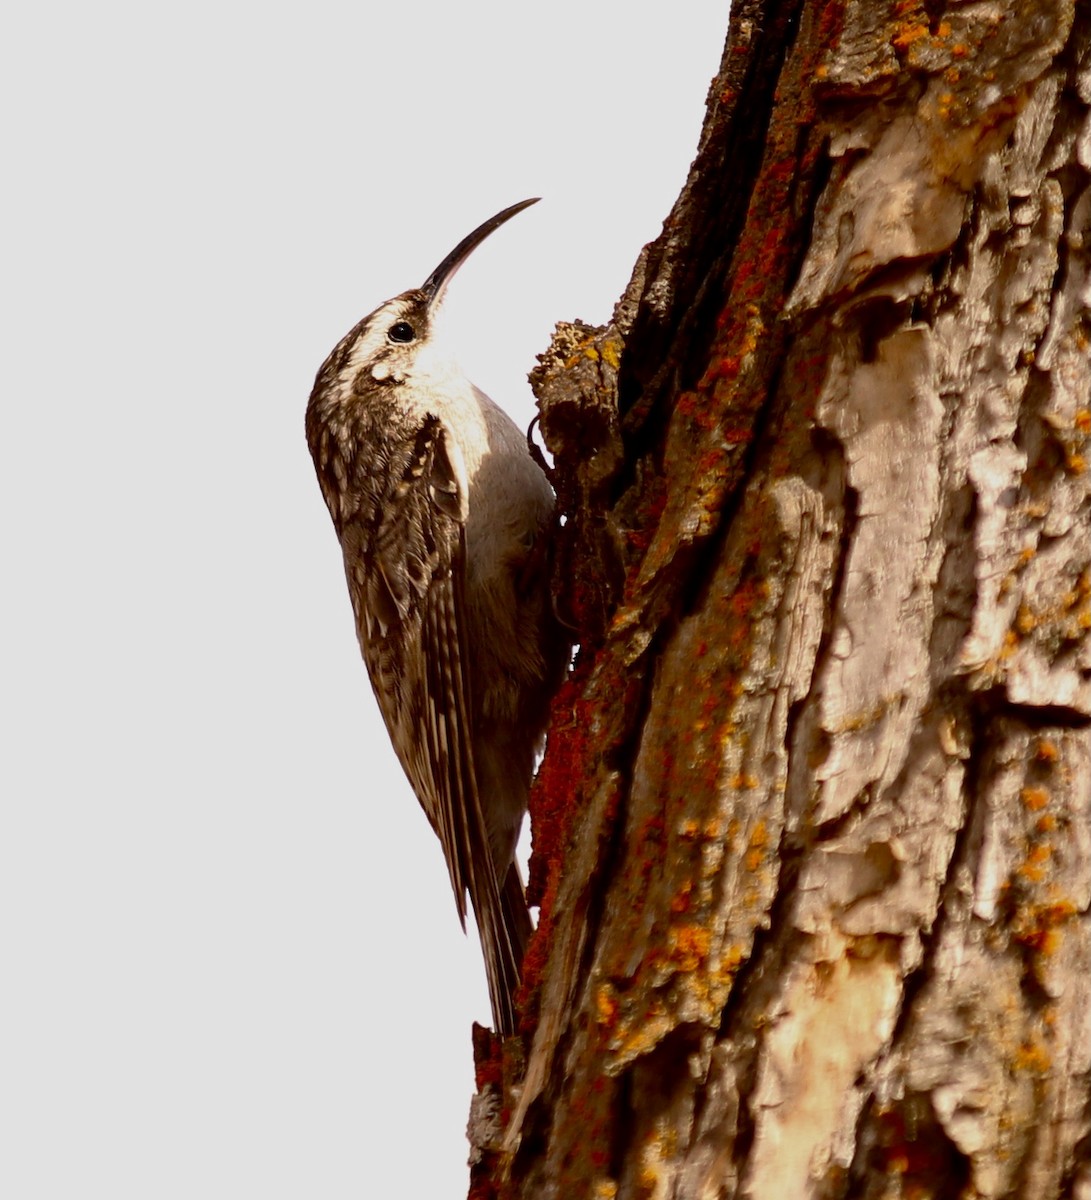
point(811, 838)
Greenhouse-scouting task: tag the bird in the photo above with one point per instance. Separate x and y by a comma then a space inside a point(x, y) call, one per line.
point(444, 520)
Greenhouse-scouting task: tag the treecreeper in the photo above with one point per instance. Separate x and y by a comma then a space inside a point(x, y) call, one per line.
point(443, 519)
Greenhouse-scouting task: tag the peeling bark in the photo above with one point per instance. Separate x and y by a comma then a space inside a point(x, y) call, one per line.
point(811, 839)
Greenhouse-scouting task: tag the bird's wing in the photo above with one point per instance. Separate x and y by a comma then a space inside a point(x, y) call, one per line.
point(411, 620)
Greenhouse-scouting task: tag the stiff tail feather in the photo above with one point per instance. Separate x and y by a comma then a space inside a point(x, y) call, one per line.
point(504, 936)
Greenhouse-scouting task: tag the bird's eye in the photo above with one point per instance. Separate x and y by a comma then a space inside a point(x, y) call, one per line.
point(400, 331)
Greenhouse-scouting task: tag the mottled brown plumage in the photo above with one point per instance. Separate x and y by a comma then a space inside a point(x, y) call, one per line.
point(440, 512)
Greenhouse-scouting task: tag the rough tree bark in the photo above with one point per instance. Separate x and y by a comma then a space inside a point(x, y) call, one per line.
point(811, 838)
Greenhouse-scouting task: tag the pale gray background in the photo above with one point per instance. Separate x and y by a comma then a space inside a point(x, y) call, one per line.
point(231, 965)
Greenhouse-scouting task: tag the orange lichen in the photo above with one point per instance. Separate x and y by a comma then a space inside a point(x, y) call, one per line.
point(1032, 1055)
point(757, 848)
point(729, 963)
point(651, 1175)
point(908, 35)
point(1034, 798)
point(1039, 927)
point(689, 945)
point(606, 1004)
point(681, 900)
point(1025, 620)
point(1032, 868)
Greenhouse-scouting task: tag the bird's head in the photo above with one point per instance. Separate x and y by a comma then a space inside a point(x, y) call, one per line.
point(392, 344)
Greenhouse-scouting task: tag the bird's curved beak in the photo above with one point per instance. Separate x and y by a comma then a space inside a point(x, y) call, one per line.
point(436, 283)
